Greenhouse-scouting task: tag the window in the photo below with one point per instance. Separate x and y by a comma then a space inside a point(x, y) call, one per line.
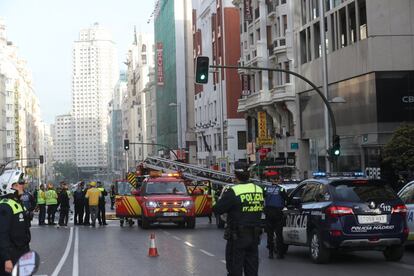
point(407, 195)
point(309, 193)
point(287, 76)
point(285, 25)
point(241, 140)
point(363, 29)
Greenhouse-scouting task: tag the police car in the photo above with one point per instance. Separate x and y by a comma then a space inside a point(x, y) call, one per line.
point(407, 196)
point(345, 212)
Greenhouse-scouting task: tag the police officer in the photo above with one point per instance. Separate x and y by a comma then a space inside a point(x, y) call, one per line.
point(243, 204)
point(51, 203)
point(79, 202)
point(14, 221)
point(101, 211)
point(41, 204)
point(275, 200)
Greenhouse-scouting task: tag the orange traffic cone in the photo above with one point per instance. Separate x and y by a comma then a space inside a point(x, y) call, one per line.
point(152, 252)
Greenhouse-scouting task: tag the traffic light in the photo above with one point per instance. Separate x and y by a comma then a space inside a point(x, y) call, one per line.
point(41, 159)
point(126, 144)
point(202, 66)
point(336, 146)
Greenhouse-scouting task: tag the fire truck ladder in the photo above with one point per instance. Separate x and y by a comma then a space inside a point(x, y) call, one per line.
point(190, 171)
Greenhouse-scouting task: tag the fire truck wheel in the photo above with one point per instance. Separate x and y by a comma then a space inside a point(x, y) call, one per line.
point(139, 222)
point(191, 222)
point(145, 223)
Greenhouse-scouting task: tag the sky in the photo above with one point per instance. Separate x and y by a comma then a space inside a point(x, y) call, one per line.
point(44, 32)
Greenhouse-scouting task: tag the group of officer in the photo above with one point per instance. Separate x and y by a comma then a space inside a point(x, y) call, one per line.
point(15, 217)
point(244, 204)
point(89, 204)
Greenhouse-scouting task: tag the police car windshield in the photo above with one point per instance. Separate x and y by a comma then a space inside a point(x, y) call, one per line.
point(362, 191)
point(161, 188)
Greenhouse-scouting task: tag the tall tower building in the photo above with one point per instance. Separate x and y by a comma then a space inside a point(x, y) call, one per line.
point(95, 74)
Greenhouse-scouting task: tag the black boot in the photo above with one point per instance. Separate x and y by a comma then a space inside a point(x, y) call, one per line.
point(270, 254)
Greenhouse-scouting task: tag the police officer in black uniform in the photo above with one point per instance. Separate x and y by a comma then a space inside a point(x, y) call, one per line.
point(275, 201)
point(14, 221)
point(243, 204)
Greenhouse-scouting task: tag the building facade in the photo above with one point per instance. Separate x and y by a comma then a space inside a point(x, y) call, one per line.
point(370, 61)
point(269, 99)
point(140, 61)
point(174, 69)
point(116, 151)
point(216, 34)
point(20, 111)
point(95, 73)
point(64, 148)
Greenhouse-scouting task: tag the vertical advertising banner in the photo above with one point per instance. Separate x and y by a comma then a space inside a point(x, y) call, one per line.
point(160, 65)
point(261, 118)
point(245, 85)
point(248, 15)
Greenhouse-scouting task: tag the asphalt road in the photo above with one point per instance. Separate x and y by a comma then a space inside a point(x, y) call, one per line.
point(112, 250)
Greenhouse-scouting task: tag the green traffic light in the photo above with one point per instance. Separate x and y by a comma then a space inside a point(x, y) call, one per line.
point(337, 152)
point(202, 77)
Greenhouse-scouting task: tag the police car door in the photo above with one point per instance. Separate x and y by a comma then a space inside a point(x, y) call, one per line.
point(297, 214)
point(407, 196)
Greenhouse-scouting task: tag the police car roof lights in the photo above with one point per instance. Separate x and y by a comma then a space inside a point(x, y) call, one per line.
point(319, 174)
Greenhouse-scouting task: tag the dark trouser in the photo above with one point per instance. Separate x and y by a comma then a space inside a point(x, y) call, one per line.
point(242, 255)
point(87, 215)
point(274, 226)
point(51, 210)
point(94, 212)
point(15, 254)
point(79, 213)
point(64, 216)
point(42, 213)
point(112, 202)
point(101, 213)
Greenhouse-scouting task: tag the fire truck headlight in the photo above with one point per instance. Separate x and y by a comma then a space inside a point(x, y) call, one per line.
point(151, 204)
point(187, 203)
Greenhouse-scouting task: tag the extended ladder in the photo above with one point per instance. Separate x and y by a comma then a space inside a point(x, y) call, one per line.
point(190, 171)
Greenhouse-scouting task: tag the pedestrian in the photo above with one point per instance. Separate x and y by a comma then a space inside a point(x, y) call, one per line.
point(86, 219)
point(112, 195)
point(102, 202)
point(275, 201)
point(28, 201)
point(63, 202)
point(243, 204)
point(79, 202)
point(51, 203)
point(14, 221)
point(92, 195)
point(41, 204)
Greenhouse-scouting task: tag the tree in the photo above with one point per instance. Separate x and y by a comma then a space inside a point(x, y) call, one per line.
point(67, 171)
point(398, 153)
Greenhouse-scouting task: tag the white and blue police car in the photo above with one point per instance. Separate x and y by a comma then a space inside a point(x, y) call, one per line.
point(345, 212)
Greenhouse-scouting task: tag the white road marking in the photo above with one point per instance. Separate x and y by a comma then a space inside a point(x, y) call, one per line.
point(177, 238)
point(189, 244)
point(65, 254)
point(207, 253)
point(223, 261)
point(166, 232)
point(75, 270)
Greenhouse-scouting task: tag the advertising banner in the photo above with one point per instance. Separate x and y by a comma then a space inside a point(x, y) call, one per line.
point(261, 119)
point(248, 13)
point(160, 65)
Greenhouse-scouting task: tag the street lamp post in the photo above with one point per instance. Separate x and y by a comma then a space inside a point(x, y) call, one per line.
point(178, 105)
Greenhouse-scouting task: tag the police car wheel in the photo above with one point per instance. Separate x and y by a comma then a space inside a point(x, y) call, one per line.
point(394, 253)
point(319, 253)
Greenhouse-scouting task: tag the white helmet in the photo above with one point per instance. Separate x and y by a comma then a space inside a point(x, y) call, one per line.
point(7, 179)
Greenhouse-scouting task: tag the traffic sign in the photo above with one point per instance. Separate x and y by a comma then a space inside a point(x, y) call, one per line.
point(264, 141)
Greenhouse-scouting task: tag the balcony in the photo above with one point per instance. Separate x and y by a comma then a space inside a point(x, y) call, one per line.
point(279, 45)
point(271, 10)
